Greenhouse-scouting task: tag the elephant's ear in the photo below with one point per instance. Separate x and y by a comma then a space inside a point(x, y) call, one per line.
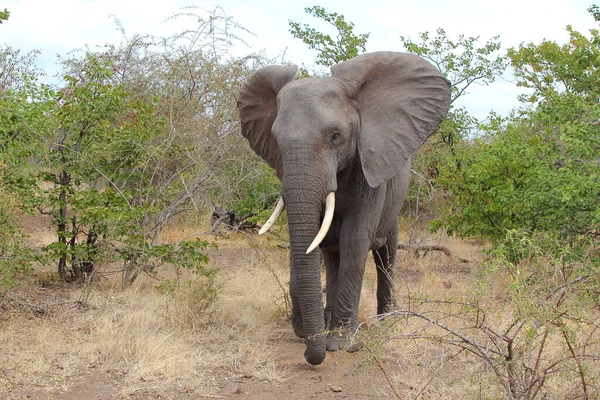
point(402, 100)
point(258, 109)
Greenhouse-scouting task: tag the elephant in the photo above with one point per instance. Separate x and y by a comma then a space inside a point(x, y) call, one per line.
point(342, 147)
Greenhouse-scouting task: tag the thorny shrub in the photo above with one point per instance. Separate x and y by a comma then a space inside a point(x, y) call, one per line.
point(545, 337)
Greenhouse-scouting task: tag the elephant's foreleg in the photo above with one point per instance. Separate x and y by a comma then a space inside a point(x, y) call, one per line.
point(344, 322)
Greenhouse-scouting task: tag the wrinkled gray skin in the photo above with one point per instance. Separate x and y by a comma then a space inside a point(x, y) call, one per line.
point(353, 134)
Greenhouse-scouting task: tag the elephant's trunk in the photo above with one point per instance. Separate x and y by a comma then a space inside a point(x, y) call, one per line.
point(304, 197)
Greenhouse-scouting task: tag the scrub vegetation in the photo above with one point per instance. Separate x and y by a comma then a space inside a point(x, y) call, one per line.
point(130, 265)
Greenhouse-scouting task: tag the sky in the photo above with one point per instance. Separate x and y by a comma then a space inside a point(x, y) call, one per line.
point(59, 26)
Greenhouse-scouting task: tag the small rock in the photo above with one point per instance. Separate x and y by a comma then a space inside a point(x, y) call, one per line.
point(336, 389)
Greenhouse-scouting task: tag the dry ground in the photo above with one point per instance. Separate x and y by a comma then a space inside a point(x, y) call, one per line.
point(102, 342)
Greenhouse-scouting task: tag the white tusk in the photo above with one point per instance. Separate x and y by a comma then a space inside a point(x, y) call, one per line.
point(329, 207)
point(273, 217)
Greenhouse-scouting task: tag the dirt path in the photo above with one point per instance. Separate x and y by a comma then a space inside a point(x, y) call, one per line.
point(340, 376)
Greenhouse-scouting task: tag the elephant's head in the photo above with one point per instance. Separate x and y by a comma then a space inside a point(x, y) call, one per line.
point(372, 114)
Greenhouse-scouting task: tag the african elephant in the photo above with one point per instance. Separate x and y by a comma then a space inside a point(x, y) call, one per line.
point(346, 141)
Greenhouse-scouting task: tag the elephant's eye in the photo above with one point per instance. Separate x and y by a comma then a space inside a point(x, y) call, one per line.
point(334, 137)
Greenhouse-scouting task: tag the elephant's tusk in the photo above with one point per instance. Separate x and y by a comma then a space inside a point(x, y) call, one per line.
point(329, 207)
point(273, 217)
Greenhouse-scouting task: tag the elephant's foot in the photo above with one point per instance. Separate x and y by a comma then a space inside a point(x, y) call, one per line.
point(342, 339)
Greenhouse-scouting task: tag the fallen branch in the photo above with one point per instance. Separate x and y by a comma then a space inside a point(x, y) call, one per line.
point(426, 248)
point(231, 221)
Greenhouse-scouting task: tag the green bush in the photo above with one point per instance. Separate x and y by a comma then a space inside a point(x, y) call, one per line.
point(16, 258)
point(538, 170)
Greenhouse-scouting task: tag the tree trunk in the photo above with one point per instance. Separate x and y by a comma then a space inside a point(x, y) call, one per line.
point(61, 226)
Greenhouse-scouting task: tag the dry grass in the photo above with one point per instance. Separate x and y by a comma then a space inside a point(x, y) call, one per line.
point(122, 332)
point(148, 338)
point(151, 340)
point(418, 368)
point(422, 365)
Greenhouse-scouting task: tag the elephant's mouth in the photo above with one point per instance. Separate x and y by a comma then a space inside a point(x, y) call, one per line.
point(325, 225)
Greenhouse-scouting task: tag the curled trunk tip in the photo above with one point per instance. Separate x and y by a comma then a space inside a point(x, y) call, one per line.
point(315, 349)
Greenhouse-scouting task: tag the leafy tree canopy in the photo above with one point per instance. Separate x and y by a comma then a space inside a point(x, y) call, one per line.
point(461, 61)
point(4, 15)
point(344, 46)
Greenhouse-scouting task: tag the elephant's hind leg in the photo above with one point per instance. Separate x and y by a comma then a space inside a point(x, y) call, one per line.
point(385, 258)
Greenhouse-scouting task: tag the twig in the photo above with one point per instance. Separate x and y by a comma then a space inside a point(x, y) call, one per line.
point(380, 366)
point(188, 192)
point(6, 376)
point(464, 342)
point(580, 368)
